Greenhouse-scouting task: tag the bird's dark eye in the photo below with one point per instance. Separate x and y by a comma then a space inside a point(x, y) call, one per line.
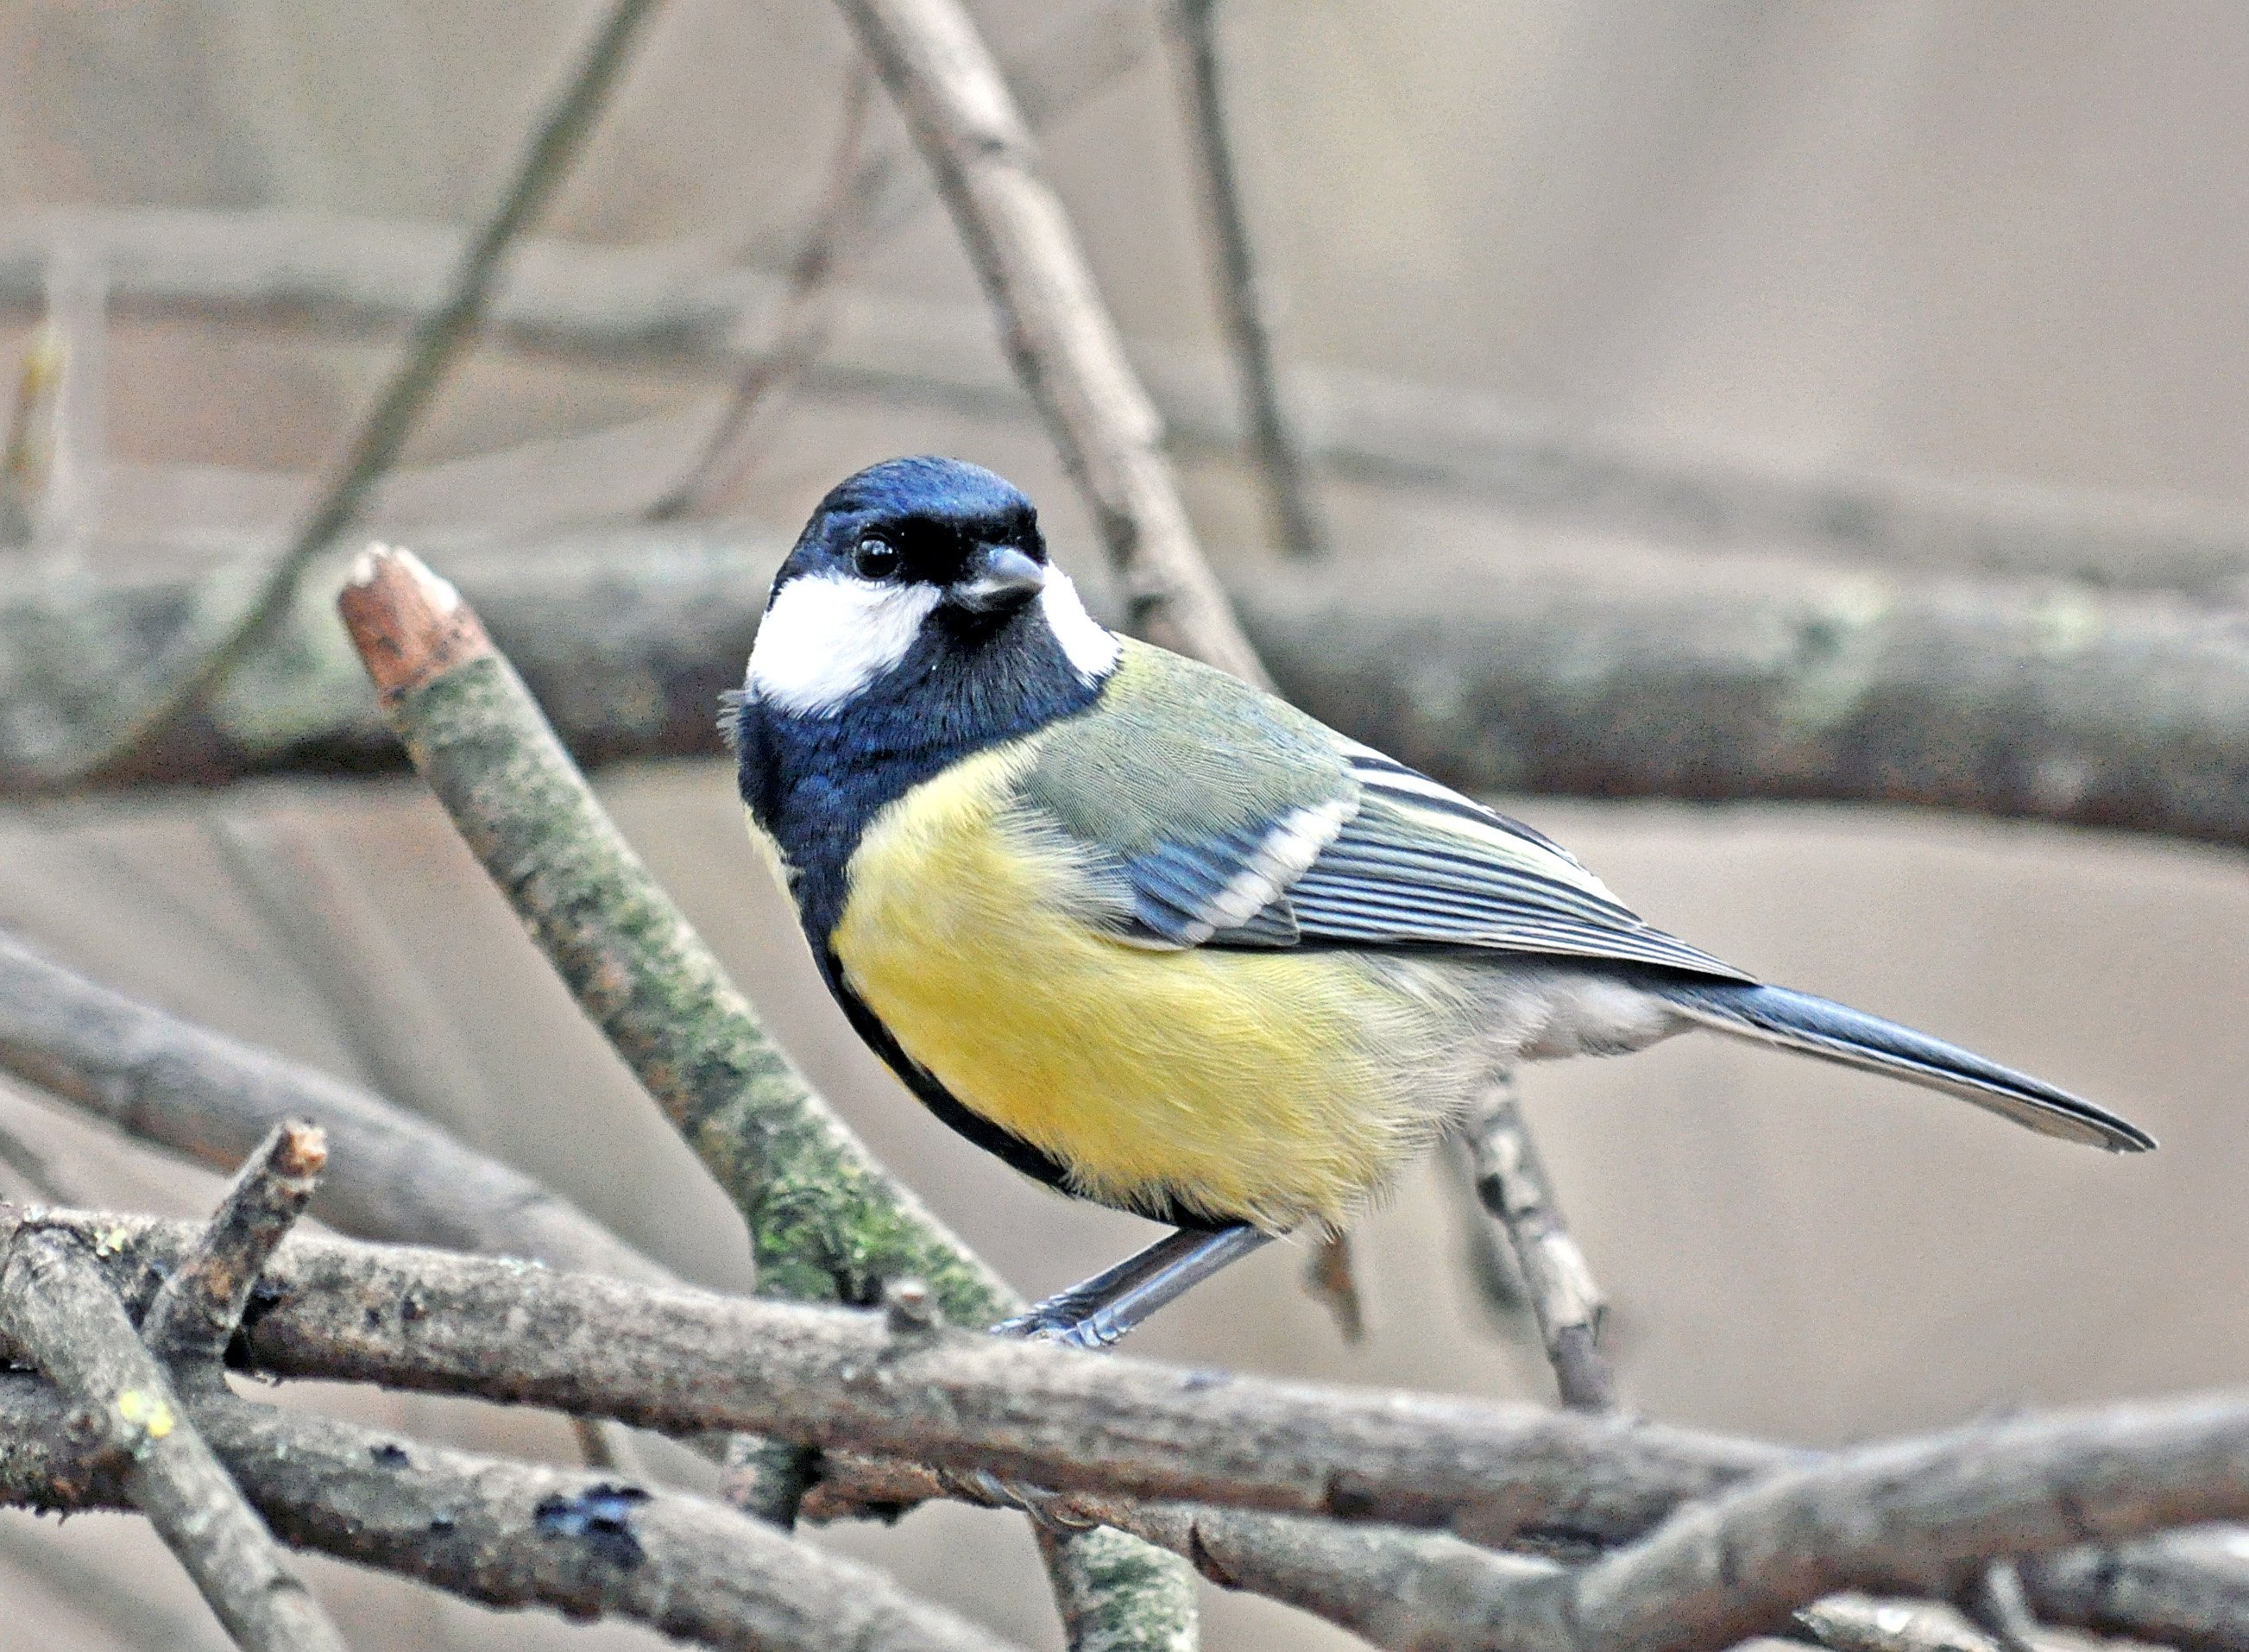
point(875, 559)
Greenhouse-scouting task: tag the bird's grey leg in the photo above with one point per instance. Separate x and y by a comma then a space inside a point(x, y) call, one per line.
point(1099, 1311)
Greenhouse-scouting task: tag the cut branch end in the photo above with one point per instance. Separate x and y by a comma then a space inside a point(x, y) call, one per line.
point(409, 626)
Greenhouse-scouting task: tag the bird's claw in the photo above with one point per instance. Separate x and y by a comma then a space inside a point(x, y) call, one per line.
point(1095, 1333)
point(1048, 1508)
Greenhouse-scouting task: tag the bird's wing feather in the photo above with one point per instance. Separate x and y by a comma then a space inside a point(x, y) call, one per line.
point(1215, 816)
point(1419, 864)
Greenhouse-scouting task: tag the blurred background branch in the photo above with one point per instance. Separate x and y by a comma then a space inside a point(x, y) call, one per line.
point(146, 702)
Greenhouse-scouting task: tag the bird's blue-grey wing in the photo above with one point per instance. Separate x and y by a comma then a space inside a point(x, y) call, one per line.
point(1194, 800)
point(1419, 864)
point(1216, 816)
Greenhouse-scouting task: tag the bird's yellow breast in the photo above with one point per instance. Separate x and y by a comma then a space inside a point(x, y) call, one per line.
point(1260, 1085)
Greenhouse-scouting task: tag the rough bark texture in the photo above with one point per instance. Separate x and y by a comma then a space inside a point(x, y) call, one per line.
point(684, 1360)
point(200, 1304)
point(1701, 1565)
point(507, 1534)
point(827, 1223)
point(1512, 1186)
point(2191, 1591)
point(61, 1311)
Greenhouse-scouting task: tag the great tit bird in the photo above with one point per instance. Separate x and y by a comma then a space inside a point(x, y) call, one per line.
point(1159, 940)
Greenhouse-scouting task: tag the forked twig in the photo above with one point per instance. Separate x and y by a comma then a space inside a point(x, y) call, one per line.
point(198, 1308)
point(55, 1302)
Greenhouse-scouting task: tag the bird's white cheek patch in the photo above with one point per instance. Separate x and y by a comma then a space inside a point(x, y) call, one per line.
point(825, 636)
point(1091, 649)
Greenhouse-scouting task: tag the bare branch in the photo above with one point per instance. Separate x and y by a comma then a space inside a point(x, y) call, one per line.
point(1486, 1252)
point(61, 1310)
point(2189, 1591)
point(806, 313)
point(404, 1043)
point(507, 1534)
point(683, 1360)
point(1622, 678)
point(1914, 1517)
point(1057, 329)
point(1511, 1181)
point(1760, 1538)
point(199, 662)
point(36, 1173)
point(1297, 526)
point(199, 1307)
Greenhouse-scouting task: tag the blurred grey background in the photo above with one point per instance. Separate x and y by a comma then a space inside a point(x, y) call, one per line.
point(1978, 244)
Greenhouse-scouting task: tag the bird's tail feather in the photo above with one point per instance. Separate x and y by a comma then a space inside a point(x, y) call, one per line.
point(1834, 1032)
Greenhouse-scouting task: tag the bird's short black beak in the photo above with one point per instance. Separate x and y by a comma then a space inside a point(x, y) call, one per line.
point(999, 577)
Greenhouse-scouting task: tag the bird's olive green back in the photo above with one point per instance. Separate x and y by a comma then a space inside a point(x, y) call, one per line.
point(1174, 751)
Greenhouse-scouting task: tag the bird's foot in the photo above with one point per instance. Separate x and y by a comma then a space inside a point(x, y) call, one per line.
point(1050, 1508)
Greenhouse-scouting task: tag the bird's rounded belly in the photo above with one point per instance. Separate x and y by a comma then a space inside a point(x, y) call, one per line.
point(1275, 1087)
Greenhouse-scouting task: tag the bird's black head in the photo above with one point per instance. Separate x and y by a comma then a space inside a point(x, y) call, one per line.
point(917, 567)
point(917, 620)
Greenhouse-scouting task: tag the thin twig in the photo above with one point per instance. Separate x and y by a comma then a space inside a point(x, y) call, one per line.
point(198, 1308)
point(198, 663)
point(1057, 329)
point(1510, 1179)
point(363, 278)
point(1296, 523)
point(1331, 1274)
point(56, 1302)
point(1485, 1250)
point(869, 198)
point(341, 954)
point(36, 1173)
point(806, 315)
